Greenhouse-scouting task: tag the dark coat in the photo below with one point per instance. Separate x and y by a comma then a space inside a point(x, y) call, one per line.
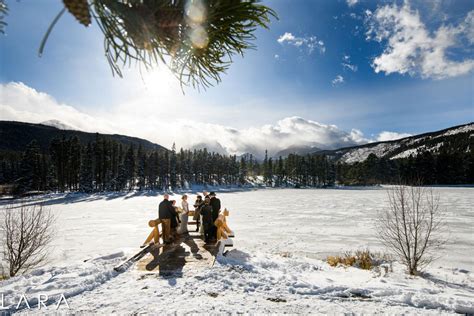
point(206, 212)
point(166, 210)
point(216, 207)
point(174, 217)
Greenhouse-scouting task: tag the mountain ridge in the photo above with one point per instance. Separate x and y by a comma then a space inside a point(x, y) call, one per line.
point(15, 136)
point(403, 147)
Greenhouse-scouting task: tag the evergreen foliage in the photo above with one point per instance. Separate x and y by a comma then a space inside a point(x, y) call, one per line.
point(197, 39)
point(104, 163)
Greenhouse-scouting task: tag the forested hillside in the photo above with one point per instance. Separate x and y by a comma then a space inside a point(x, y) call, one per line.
point(453, 139)
point(15, 136)
point(58, 160)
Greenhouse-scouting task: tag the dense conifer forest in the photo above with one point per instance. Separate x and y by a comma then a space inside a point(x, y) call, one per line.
point(110, 164)
point(104, 165)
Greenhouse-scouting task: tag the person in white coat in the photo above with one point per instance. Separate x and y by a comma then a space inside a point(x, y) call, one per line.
point(183, 227)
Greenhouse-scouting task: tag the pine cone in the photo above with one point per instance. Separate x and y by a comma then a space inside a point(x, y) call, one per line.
point(80, 10)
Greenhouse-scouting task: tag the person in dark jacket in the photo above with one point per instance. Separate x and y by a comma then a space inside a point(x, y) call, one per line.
point(207, 222)
point(164, 214)
point(174, 218)
point(197, 211)
point(216, 207)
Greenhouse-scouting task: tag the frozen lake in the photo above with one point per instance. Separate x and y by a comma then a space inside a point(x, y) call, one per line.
point(304, 223)
point(315, 223)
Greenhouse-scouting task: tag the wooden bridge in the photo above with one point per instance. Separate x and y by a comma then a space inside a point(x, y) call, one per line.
point(185, 255)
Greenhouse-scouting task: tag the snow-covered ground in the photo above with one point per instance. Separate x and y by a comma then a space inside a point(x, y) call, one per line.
point(276, 266)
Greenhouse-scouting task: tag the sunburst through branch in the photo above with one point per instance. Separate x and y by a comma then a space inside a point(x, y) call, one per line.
point(196, 39)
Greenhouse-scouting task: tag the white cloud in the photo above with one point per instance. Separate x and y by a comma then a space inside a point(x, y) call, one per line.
point(310, 43)
point(338, 80)
point(349, 66)
point(358, 137)
point(386, 136)
point(21, 103)
point(346, 64)
point(352, 2)
point(411, 48)
point(286, 37)
point(469, 26)
point(294, 131)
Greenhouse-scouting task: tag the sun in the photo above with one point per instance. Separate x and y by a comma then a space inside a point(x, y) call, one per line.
point(158, 81)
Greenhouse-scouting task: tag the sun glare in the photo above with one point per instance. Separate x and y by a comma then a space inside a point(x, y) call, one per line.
point(196, 16)
point(160, 80)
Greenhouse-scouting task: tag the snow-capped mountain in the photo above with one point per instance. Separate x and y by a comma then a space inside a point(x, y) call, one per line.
point(59, 125)
point(458, 137)
point(299, 150)
point(211, 147)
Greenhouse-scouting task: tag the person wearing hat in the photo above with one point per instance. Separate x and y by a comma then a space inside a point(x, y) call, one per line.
point(197, 211)
point(216, 207)
point(175, 221)
point(207, 222)
point(164, 214)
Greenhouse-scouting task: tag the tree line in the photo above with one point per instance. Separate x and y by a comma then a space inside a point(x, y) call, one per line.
point(107, 165)
point(426, 168)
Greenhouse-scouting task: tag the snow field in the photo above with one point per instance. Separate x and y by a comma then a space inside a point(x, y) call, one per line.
point(248, 283)
point(276, 266)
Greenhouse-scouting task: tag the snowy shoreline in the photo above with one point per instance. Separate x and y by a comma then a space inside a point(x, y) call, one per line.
point(277, 266)
point(244, 283)
point(198, 189)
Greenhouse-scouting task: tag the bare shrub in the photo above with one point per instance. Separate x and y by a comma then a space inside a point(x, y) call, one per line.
point(412, 226)
point(363, 259)
point(26, 233)
point(346, 260)
point(3, 275)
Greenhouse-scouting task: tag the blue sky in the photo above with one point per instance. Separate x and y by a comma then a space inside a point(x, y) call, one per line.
point(366, 67)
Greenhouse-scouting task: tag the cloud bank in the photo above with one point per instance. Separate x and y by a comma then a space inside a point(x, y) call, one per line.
point(308, 43)
point(412, 49)
point(386, 136)
point(19, 102)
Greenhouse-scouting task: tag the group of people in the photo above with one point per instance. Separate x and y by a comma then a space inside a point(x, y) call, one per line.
point(175, 219)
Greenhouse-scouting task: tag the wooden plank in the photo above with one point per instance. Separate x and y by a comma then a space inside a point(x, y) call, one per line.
point(183, 257)
point(127, 263)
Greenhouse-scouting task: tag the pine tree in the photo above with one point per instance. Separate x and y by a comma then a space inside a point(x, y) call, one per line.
point(280, 172)
point(265, 168)
point(173, 162)
point(58, 157)
point(86, 174)
point(141, 161)
point(30, 169)
point(129, 165)
point(242, 170)
point(74, 163)
point(121, 182)
point(270, 172)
